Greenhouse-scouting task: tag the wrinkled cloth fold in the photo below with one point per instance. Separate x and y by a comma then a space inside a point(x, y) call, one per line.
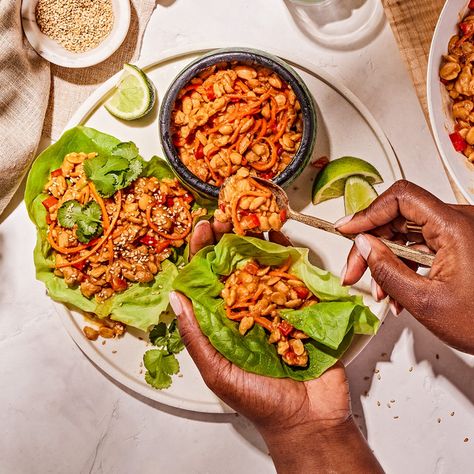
point(27, 82)
point(24, 92)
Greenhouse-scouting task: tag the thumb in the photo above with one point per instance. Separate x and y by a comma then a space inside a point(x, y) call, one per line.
point(399, 281)
point(197, 344)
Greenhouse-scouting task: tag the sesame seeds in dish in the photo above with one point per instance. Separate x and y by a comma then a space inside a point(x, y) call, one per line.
point(128, 234)
point(77, 25)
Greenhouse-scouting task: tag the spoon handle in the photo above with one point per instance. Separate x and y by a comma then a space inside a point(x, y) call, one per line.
point(402, 251)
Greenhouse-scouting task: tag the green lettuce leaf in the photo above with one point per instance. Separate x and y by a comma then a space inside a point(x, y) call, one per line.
point(332, 323)
point(141, 304)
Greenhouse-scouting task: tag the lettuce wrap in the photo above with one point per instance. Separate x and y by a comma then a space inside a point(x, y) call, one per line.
point(141, 304)
point(331, 324)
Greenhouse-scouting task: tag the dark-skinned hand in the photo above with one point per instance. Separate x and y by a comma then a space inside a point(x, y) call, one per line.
point(288, 414)
point(442, 300)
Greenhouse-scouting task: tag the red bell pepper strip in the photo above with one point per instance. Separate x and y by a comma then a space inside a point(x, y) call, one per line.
point(49, 202)
point(119, 284)
point(57, 172)
point(285, 328)
point(283, 215)
point(458, 141)
point(199, 154)
point(158, 245)
point(251, 221)
point(467, 27)
point(268, 175)
point(80, 265)
point(301, 291)
point(210, 93)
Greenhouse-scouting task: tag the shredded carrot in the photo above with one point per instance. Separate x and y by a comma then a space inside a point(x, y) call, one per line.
point(282, 129)
point(235, 316)
point(174, 235)
point(257, 125)
point(285, 266)
point(65, 250)
point(84, 196)
point(288, 276)
point(265, 190)
point(243, 86)
point(258, 293)
point(102, 240)
point(263, 131)
point(263, 322)
point(213, 174)
point(273, 109)
point(235, 134)
point(101, 203)
point(270, 163)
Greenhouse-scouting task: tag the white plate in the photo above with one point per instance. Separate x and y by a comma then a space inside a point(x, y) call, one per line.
point(56, 54)
point(439, 102)
point(345, 127)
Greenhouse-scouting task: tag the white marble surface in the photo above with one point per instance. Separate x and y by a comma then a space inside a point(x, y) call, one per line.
point(60, 414)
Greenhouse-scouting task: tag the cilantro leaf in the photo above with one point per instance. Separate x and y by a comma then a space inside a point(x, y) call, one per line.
point(160, 366)
point(175, 344)
point(104, 172)
point(87, 218)
point(134, 171)
point(86, 230)
point(158, 334)
point(68, 212)
point(126, 150)
point(167, 338)
point(92, 211)
point(109, 174)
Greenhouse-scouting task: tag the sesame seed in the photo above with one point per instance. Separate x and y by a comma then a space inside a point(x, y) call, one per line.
point(77, 25)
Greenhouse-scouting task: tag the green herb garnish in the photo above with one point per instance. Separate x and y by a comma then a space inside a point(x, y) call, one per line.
point(160, 366)
point(161, 363)
point(87, 218)
point(109, 174)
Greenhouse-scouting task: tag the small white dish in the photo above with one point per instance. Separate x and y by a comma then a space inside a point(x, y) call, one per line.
point(439, 102)
point(56, 54)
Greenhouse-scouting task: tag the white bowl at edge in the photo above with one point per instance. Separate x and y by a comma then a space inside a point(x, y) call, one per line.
point(439, 102)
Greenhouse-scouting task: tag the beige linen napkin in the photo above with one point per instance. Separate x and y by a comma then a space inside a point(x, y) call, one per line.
point(24, 90)
point(70, 87)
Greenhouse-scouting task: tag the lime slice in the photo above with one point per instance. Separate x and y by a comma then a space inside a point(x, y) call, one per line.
point(358, 194)
point(134, 96)
point(329, 183)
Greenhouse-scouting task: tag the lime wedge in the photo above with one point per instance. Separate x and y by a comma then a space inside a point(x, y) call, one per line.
point(330, 182)
point(358, 194)
point(134, 96)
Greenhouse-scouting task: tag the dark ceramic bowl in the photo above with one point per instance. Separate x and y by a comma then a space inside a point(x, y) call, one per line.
point(250, 57)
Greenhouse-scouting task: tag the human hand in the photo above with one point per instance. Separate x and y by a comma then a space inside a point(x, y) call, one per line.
point(287, 413)
point(443, 300)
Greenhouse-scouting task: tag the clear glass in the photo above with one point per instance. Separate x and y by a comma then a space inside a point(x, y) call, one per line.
point(339, 24)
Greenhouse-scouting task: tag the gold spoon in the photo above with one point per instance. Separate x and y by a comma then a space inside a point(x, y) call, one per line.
point(423, 258)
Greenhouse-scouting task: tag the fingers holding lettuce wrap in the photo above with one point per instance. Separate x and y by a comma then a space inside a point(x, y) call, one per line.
point(265, 308)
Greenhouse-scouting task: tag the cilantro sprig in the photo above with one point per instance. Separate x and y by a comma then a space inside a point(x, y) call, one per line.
point(109, 174)
point(87, 218)
point(161, 363)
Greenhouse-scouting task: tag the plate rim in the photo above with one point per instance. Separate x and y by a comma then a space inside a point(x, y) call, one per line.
point(432, 80)
point(97, 97)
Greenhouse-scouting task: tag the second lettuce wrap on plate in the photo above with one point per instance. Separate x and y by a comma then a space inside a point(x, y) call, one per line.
point(331, 323)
